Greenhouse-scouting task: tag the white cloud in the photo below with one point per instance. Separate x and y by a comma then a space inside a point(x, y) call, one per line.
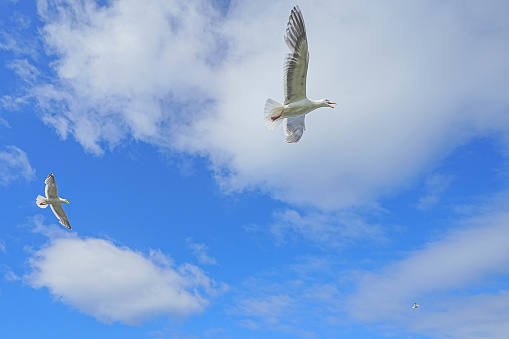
point(413, 81)
point(14, 164)
point(114, 283)
point(464, 261)
point(399, 77)
point(124, 69)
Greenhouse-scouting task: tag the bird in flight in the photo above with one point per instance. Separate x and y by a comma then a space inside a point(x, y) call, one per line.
point(53, 200)
point(415, 305)
point(296, 104)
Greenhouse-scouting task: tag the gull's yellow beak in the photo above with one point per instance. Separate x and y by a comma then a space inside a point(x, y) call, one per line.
point(67, 202)
point(331, 103)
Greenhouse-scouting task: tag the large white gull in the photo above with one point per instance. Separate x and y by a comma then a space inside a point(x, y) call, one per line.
point(53, 200)
point(296, 104)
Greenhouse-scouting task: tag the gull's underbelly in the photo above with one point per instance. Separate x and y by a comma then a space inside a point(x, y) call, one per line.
point(53, 201)
point(298, 108)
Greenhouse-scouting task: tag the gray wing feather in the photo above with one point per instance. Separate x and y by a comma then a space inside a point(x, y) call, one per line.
point(296, 63)
point(60, 214)
point(51, 187)
point(294, 128)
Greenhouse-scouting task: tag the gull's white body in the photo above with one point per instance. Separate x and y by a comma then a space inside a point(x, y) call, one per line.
point(296, 104)
point(415, 305)
point(302, 107)
point(53, 200)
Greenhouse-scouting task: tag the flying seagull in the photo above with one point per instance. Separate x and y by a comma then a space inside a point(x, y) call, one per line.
point(53, 200)
point(415, 305)
point(296, 104)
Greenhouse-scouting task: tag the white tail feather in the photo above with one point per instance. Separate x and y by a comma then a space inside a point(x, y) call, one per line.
point(273, 114)
point(41, 201)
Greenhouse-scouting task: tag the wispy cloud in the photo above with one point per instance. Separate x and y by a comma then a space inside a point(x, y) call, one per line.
point(268, 308)
point(24, 69)
point(13, 38)
point(200, 251)
point(465, 260)
point(14, 164)
point(295, 306)
point(459, 280)
point(326, 230)
point(115, 283)
point(434, 186)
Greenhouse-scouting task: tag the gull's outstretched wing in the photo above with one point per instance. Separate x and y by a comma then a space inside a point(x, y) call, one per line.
point(294, 128)
point(296, 63)
point(60, 214)
point(51, 187)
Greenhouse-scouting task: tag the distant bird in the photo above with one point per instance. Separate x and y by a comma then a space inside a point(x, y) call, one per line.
point(53, 200)
point(296, 105)
point(415, 305)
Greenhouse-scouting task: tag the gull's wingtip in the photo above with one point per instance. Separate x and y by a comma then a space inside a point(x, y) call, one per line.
point(49, 178)
point(66, 224)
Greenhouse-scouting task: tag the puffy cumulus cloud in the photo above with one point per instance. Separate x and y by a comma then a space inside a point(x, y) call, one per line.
point(466, 259)
point(124, 69)
point(114, 283)
point(14, 164)
point(413, 81)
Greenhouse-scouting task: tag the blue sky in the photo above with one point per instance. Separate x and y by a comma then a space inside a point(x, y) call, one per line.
point(192, 220)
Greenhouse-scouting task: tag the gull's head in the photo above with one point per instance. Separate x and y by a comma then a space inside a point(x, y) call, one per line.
point(329, 103)
point(65, 200)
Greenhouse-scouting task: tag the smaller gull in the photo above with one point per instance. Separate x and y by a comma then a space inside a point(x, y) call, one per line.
point(415, 305)
point(296, 104)
point(53, 200)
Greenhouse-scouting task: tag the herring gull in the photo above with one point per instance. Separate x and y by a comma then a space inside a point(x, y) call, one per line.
point(296, 104)
point(53, 200)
